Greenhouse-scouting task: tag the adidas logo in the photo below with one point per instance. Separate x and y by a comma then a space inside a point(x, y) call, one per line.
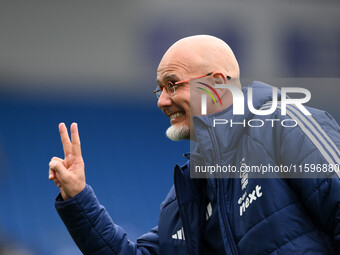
point(179, 235)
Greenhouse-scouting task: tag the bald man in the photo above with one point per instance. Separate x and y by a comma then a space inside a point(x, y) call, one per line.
point(223, 214)
point(187, 58)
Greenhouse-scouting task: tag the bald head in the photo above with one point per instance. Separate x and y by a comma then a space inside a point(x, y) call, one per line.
point(201, 54)
point(188, 58)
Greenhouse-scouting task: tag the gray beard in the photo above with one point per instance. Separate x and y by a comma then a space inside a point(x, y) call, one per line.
point(178, 133)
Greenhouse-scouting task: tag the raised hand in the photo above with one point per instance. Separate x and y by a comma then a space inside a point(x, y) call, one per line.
point(68, 173)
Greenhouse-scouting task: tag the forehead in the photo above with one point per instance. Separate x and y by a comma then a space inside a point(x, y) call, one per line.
point(172, 70)
point(182, 61)
point(177, 67)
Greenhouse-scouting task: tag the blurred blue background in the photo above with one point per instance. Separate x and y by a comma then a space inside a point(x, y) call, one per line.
point(94, 62)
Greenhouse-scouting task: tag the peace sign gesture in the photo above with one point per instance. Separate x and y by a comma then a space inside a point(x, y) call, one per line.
point(68, 173)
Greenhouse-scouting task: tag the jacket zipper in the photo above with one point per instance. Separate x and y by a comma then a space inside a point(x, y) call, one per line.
point(221, 188)
point(226, 222)
point(183, 218)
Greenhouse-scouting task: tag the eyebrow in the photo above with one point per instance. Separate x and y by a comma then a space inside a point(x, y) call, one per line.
point(171, 77)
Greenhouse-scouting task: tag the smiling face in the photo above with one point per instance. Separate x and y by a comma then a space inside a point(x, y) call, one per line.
point(176, 66)
point(188, 58)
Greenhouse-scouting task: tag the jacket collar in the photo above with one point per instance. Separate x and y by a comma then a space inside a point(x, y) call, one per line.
point(224, 139)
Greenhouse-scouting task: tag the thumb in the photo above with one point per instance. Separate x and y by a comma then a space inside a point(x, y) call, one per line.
point(59, 168)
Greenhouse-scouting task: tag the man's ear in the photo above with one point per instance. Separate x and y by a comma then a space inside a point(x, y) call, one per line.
point(220, 78)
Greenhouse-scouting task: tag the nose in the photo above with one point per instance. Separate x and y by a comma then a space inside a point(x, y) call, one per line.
point(164, 100)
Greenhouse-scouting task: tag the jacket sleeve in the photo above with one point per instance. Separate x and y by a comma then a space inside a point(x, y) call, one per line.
point(314, 144)
point(94, 232)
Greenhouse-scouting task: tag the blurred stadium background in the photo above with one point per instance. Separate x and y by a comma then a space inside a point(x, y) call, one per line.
point(94, 62)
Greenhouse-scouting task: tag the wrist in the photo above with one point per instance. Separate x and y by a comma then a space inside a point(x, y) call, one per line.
point(66, 195)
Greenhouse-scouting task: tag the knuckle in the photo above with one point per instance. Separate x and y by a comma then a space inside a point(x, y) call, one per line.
point(54, 164)
point(56, 159)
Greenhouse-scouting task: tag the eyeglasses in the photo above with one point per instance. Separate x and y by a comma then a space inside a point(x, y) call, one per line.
point(171, 86)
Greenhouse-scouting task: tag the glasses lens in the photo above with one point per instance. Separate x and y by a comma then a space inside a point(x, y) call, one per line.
point(157, 92)
point(170, 87)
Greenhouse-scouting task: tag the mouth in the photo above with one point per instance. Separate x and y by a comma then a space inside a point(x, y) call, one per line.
point(176, 116)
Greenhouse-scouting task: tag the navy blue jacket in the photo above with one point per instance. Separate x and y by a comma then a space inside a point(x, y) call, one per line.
point(256, 215)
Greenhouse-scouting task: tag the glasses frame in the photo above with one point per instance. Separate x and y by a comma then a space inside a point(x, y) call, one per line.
point(172, 85)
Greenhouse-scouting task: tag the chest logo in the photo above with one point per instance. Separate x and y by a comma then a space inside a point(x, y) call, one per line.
point(247, 199)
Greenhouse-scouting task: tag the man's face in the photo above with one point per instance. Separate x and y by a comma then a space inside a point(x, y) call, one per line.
point(177, 106)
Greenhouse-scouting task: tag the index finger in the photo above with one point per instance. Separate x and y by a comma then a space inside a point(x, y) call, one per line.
point(67, 145)
point(75, 139)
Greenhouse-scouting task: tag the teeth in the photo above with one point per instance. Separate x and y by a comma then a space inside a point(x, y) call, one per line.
point(176, 115)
